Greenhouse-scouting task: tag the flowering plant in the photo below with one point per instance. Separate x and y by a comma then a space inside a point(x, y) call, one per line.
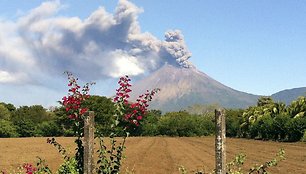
point(29, 168)
point(131, 114)
point(128, 116)
point(73, 103)
point(40, 168)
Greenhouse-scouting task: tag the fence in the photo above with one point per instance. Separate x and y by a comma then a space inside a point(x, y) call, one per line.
point(89, 143)
point(220, 141)
point(220, 154)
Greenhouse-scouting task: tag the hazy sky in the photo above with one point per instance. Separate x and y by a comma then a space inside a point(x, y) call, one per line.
point(257, 47)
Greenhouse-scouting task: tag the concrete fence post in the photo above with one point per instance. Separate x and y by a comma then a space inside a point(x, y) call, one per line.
point(220, 141)
point(89, 143)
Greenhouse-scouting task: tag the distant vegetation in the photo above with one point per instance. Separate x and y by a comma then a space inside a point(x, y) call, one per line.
point(29, 121)
point(268, 120)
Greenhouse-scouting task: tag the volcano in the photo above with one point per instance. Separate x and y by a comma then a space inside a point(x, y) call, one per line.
point(182, 87)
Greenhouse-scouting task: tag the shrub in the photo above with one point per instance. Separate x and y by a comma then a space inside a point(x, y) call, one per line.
point(47, 129)
point(233, 122)
point(4, 112)
point(150, 130)
point(279, 126)
point(69, 166)
point(204, 125)
point(7, 129)
point(127, 117)
point(304, 137)
point(25, 127)
point(150, 123)
point(296, 127)
point(265, 127)
point(236, 165)
point(183, 124)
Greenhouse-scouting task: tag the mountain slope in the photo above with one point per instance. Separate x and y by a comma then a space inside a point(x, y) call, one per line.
point(288, 95)
point(183, 87)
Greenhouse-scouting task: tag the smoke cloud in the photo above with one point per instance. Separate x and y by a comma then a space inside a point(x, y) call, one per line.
point(42, 43)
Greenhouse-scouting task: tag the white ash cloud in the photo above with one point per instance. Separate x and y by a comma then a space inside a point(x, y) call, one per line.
point(43, 44)
point(176, 47)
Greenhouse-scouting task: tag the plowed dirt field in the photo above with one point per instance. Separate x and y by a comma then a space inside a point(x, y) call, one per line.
point(162, 155)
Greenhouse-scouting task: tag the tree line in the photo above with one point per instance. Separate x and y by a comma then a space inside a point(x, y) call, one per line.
point(30, 121)
point(35, 121)
point(268, 120)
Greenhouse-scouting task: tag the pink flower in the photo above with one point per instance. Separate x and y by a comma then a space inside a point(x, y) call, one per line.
point(29, 168)
point(83, 110)
point(138, 108)
point(76, 96)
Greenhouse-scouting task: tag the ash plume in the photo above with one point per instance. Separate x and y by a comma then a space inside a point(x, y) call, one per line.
point(175, 45)
point(41, 44)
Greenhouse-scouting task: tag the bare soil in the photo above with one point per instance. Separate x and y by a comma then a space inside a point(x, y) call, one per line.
point(162, 155)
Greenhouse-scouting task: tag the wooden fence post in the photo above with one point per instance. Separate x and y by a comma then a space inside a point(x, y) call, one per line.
point(89, 143)
point(220, 141)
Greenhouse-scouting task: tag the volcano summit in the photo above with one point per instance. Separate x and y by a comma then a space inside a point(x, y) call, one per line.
point(182, 87)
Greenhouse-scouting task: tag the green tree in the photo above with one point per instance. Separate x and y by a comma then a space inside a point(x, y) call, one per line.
point(104, 112)
point(204, 124)
point(26, 119)
point(4, 113)
point(183, 124)
point(25, 127)
point(263, 101)
point(103, 108)
point(7, 129)
point(274, 120)
point(63, 122)
point(48, 129)
point(9, 106)
point(279, 126)
point(35, 113)
point(149, 127)
point(297, 108)
point(233, 121)
point(255, 117)
point(296, 128)
point(168, 124)
point(265, 130)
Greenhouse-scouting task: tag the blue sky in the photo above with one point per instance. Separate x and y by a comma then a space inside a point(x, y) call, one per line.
point(252, 46)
